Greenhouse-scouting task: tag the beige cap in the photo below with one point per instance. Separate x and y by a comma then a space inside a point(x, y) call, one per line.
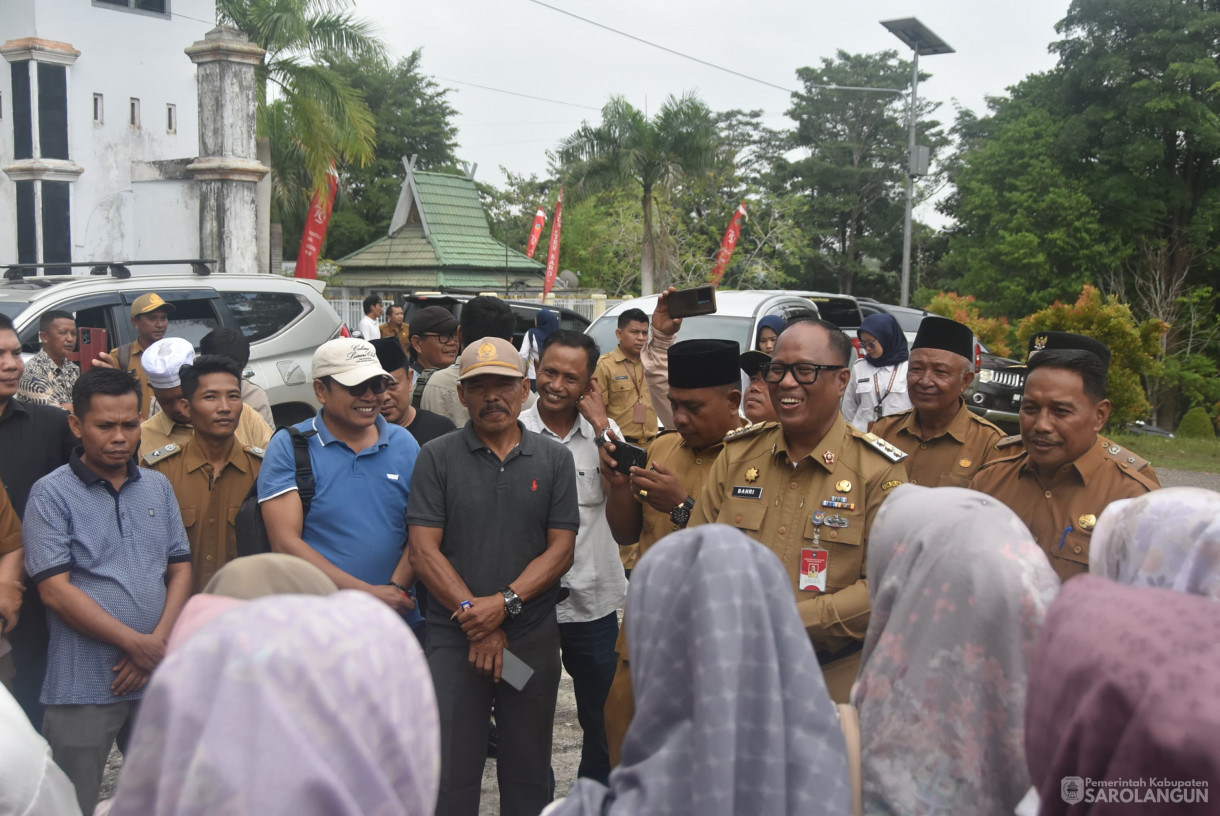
point(491, 355)
point(348, 361)
point(164, 358)
point(150, 303)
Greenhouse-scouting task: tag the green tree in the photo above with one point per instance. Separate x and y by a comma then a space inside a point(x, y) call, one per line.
point(852, 176)
point(652, 154)
point(313, 118)
point(995, 332)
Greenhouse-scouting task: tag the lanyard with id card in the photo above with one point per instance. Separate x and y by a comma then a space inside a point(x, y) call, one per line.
point(815, 560)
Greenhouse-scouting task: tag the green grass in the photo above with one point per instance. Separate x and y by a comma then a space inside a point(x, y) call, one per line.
point(1178, 453)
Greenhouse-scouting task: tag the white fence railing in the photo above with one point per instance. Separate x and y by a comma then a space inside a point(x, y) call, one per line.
point(351, 310)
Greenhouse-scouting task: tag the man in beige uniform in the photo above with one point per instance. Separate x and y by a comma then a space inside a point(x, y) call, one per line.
point(150, 316)
point(945, 441)
point(1064, 478)
point(704, 393)
point(620, 376)
point(808, 489)
point(210, 473)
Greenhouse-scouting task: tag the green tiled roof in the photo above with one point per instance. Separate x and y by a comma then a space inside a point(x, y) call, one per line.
point(450, 245)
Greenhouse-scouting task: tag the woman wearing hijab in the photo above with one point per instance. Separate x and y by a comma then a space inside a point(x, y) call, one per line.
point(31, 784)
point(879, 381)
point(292, 704)
point(1124, 690)
point(731, 712)
point(1167, 538)
point(959, 590)
point(545, 324)
point(769, 329)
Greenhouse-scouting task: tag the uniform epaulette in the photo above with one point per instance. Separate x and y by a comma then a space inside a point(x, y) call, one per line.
point(161, 454)
point(891, 452)
point(1123, 456)
point(255, 450)
point(1008, 442)
point(749, 430)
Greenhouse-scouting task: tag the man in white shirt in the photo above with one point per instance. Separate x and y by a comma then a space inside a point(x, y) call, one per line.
point(368, 324)
point(570, 411)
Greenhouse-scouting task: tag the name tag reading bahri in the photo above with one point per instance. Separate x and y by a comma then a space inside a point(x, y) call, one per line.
point(746, 492)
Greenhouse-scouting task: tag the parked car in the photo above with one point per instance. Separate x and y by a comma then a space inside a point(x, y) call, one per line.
point(526, 312)
point(736, 317)
point(284, 319)
point(1141, 428)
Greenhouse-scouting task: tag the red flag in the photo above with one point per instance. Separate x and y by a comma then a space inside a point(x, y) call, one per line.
point(552, 256)
point(728, 244)
point(536, 232)
point(315, 229)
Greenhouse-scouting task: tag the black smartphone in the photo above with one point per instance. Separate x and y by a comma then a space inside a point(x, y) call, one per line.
point(627, 456)
point(690, 302)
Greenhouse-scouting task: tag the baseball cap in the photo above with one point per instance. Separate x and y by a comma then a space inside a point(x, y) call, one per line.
point(753, 360)
point(164, 358)
point(433, 320)
point(348, 361)
point(150, 302)
point(491, 355)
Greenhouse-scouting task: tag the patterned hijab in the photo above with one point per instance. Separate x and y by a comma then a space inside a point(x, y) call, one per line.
point(885, 328)
point(959, 590)
point(731, 712)
point(1125, 685)
point(1167, 538)
point(292, 704)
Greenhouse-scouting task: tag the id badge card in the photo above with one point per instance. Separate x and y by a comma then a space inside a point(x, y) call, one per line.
point(813, 569)
point(639, 413)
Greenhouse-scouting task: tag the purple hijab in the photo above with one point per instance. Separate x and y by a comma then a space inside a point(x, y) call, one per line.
point(885, 328)
point(308, 705)
point(1125, 686)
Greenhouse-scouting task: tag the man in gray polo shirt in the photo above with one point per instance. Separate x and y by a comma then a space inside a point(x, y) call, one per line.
point(492, 518)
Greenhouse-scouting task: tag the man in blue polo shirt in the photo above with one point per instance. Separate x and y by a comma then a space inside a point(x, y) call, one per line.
point(105, 545)
point(356, 528)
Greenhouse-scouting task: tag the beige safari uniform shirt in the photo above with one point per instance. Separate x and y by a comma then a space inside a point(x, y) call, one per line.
point(624, 384)
point(949, 459)
point(1062, 512)
point(1012, 445)
point(136, 365)
point(209, 501)
point(252, 431)
point(757, 488)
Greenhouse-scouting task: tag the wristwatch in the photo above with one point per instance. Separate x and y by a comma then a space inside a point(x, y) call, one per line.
point(512, 603)
point(603, 437)
point(680, 515)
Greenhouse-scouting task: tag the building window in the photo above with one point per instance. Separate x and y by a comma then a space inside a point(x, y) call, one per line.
point(52, 110)
point(171, 118)
point(135, 113)
point(160, 7)
point(23, 116)
point(99, 109)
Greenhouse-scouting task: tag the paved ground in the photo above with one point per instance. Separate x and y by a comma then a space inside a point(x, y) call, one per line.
point(1188, 478)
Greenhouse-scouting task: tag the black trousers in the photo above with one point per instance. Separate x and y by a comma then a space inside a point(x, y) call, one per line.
point(525, 721)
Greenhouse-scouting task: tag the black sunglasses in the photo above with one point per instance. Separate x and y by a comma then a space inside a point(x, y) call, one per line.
point(445, 339)
point(378, 384)
point(803, 373)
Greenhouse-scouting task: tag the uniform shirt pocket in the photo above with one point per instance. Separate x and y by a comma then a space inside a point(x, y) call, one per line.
point(744, 514)
point(190, 518)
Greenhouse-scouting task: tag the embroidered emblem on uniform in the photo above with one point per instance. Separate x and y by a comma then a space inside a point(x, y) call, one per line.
point(1115, 450)
point(487, 352)
point(837, 521)
point(828, 457)
point(752, 475)
point(1040, 342)
point(964, 463)
point(843, 486)
point(1087, 521)
point(155, 300)
point(892, 483)
point(534, 485)
point(172, 446)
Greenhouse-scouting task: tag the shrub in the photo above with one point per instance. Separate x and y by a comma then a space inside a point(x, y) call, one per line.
point(1196, 424)
point(993, 331)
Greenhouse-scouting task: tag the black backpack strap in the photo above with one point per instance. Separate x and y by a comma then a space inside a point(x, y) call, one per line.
point(421, 381)
point(306, 486)
point(124, 357)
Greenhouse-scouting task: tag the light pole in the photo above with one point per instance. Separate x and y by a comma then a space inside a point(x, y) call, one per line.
point(920, 39)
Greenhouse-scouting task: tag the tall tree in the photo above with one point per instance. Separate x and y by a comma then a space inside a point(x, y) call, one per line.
point(855, 160)
point(312, 116)
point(650, 153)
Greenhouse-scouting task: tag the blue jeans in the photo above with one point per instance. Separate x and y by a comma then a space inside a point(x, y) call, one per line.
point(588, 655)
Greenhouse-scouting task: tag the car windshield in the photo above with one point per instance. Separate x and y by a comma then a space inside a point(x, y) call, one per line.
point(700, 327)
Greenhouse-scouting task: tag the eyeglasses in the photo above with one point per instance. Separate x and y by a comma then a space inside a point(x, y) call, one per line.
point(868, 344)
point(445, 339)
point(803, 373)
point(378, 384)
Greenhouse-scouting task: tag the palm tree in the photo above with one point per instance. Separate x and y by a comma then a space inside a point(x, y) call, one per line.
point(314, 118)
point(628, 147)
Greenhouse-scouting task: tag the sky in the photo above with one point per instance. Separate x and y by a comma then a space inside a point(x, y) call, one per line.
point(524, 47)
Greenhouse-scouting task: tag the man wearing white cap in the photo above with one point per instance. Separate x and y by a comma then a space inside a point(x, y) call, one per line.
point(169, 425)
point(355, 526)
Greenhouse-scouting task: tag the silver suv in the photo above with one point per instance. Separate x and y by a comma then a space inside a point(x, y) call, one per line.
point(284, 319)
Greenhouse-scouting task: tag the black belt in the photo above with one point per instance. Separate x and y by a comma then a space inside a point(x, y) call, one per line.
point(637, 440)
point(847, 651)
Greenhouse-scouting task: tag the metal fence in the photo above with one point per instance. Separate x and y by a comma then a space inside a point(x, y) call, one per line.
point(350, 310)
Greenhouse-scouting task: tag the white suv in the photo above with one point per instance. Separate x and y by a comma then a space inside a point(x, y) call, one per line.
point(284, 319)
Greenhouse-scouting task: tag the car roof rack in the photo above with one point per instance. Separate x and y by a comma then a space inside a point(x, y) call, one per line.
point(115, 269)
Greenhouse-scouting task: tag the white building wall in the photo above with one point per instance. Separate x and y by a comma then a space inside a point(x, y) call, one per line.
point(123, 55)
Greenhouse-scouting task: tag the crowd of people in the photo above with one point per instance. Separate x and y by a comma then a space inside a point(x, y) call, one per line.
point(844, 592)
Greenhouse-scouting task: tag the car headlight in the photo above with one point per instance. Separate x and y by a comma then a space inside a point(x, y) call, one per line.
point(986, 375)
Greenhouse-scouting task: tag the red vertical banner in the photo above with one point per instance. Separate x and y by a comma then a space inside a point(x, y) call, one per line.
point(728, 244)
point(315, 228)
point(536, 232)
point(552, 256)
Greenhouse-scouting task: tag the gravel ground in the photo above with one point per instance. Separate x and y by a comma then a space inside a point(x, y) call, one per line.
point(1188, 478)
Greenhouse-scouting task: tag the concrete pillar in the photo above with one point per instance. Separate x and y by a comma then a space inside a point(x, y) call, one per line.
point(228, 169)
point(599, 305)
